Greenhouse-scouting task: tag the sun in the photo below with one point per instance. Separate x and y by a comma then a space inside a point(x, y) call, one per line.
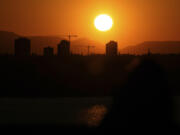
point(103, 22)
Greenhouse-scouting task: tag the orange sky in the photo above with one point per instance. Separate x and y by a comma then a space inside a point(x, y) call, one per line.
point(135, 21)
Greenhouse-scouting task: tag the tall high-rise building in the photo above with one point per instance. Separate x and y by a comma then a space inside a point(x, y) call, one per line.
point(64, 48)
point(48, 51)
point(22, 47)
point(112, 48)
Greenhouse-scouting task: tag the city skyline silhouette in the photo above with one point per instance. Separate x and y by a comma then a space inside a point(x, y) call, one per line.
point(88, 66)
point(83, 45)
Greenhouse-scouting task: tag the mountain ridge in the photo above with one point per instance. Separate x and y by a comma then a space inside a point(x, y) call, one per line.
point(158, 47)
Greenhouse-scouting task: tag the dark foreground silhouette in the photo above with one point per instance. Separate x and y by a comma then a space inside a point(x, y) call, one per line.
point(145, 102)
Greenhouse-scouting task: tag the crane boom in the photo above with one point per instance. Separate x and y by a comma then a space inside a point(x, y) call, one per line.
point(70, 36)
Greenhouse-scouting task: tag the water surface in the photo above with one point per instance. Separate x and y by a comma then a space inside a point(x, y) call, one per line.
point(60, 111)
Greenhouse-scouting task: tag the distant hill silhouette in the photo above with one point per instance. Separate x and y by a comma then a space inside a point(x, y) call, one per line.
point(162, 47)
point(7, 42)
point(39, 42)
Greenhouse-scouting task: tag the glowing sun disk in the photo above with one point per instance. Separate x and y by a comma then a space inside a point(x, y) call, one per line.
point(103, 22)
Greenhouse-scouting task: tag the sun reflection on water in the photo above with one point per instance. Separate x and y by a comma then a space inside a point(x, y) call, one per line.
point(92, 116)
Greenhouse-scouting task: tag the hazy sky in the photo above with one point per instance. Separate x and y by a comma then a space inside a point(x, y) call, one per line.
point(134, 20)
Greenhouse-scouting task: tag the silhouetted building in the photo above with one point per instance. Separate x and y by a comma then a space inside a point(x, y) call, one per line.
point(64, 48)
point(112, 48)
point(48, 51)
point(22, 47)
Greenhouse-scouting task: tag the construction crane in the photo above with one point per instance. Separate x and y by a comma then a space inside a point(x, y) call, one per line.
point(70, 36)
point(89, 47)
